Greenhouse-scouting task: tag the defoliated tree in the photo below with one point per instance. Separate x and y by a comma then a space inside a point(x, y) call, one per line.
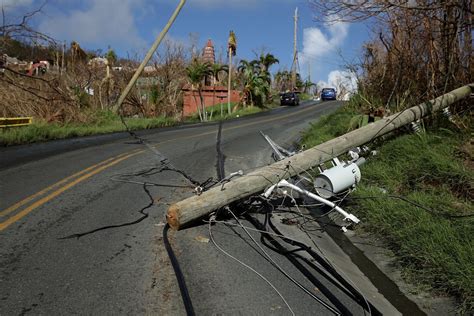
point(232, 50)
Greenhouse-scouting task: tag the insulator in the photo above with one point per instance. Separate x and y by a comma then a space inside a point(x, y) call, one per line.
point(415, 127)
point(447, 113)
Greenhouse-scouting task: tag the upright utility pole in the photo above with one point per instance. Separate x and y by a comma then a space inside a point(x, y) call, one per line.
point(309, 70)
point(309, 76)
point(295, 52)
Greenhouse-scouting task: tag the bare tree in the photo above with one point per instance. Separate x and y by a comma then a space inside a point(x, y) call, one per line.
point(422, 48)
point(21, 29)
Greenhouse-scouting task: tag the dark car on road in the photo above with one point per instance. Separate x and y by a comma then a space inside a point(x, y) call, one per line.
point(328, 94)
point(289, 98)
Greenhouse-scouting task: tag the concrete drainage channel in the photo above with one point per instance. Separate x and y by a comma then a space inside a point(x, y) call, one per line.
point(382, 282)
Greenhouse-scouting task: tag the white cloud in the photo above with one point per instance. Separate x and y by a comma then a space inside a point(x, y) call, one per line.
point(15, 3)
point(317, 43)
point(344, 82)
point(100, 23)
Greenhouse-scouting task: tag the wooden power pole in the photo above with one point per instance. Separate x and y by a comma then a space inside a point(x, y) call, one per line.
point(295, 51)
point(148, 56)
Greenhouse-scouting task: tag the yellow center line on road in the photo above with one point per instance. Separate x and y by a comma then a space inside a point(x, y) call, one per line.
point(54, 194)
point(114, 161)
point(49, 188)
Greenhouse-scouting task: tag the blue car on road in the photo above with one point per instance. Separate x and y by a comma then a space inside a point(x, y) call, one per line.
point(328, 94)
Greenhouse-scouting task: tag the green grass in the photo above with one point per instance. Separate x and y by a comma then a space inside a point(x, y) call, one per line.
point(216, 111)
point(305, 96)
point(328, 127)
point(101, 123)
point(435, 248)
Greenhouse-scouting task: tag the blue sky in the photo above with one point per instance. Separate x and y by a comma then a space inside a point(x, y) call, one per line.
point(130, 26)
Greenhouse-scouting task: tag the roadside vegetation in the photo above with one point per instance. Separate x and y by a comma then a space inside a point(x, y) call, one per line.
point(417, 195)
point(104, 122)
point(69, 90)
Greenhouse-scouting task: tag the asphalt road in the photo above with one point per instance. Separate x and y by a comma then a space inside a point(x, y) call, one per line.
point(52, 191)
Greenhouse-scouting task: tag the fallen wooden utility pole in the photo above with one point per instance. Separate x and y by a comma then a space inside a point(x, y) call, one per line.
point(184, 212)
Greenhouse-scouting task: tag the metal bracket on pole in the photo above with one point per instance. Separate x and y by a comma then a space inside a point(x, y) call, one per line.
point(280, 152)
point(286, 184)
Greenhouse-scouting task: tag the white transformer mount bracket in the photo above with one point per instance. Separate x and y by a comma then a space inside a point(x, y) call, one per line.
point(286, 184)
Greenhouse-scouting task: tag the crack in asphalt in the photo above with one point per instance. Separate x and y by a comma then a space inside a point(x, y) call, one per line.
point(220, 155)
point(142, 211)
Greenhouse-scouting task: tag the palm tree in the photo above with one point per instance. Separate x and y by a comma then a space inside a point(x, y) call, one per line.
point(307, 84)
point(196, 72)
point(248, 66)
point(255, 83)
point(215, 70)
point(282, 80)
point(266, 61)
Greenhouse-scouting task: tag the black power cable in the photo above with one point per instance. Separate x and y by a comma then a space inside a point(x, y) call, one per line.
point(358, 297)
point(341, 309)
point(188, 304)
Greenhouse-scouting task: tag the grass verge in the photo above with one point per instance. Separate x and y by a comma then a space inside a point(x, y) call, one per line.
point(105, 122)
point(214, 112)
point(417, 195)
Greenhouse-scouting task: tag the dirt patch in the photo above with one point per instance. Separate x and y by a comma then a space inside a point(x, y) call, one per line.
point(165, 291)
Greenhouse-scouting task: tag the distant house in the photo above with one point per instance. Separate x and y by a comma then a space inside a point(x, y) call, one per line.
point(98, 61)
point(150, 69)
point(46, 63)
point(14, 63)
point(11, 60)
